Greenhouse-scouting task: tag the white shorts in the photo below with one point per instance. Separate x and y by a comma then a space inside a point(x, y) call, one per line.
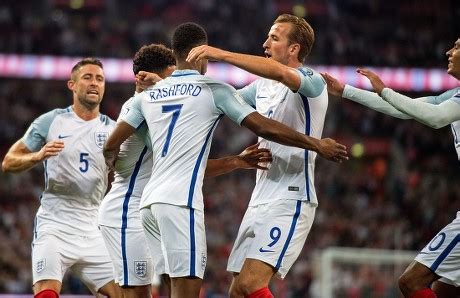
point(273, 233)
point(85, 256)
point(442, 254)
point(176, 238)
point(130, 255)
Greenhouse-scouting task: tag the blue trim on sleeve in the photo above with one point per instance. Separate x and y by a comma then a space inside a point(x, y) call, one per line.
point(124, 216)
point(307, 132)
point(198, 163)
point(291, 232)
point(192, 243)
point(445, 253)
point(454, 132)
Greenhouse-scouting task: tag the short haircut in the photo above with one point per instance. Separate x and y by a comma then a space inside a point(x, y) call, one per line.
point(187, 36)
point(83, 62)
point(301, 32)
point(153, 58)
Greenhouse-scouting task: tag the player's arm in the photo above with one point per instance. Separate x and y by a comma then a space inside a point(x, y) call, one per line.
point(369, 99)
point(250, 158)
point(19, 158)
point(126, 125)
point(231, 104)
point(435, 112)
point(435, 116)
point(261, 66)
point(112, 146)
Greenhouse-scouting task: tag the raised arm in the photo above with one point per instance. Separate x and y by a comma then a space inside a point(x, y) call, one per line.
point(250, 158)
point(261, 66)
point(369, 99)
point(19, 158)
point(435, 112)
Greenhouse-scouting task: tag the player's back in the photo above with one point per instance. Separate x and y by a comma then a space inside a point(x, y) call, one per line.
point(120, 207)
point(181, 115)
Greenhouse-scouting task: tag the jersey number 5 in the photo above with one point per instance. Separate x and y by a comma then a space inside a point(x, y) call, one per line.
point(84, 159)
point(175, 109)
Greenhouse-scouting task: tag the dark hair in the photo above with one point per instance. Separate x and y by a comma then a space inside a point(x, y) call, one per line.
point(153, 58)
point(187, 36)
point(85, 61)
point(301, 32)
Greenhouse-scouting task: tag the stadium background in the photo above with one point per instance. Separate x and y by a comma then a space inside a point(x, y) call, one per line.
point(396, 195)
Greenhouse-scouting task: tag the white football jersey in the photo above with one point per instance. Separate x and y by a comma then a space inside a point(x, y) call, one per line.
point(182, 112)
point(291, 173)
point(452, 94)
point(75, 179)
point(120, 207)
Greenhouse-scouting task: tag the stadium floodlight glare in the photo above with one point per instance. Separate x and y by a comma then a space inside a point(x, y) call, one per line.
point(120, 70)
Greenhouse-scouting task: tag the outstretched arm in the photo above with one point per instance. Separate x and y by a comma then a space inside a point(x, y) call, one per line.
point(437, 115)
point(116, 138)
point(275, 131)
point(261, 66)
point(369, 99)
point(250, 158)
point(19, 158)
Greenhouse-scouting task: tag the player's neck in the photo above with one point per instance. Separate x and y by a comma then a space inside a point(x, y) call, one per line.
point(85, 113)
point(181, 65)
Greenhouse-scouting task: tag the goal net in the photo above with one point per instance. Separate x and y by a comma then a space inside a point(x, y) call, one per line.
point(361, 272)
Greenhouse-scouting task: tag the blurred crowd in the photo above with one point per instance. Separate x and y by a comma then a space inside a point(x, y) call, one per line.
point(352, 32)
point(396, 195)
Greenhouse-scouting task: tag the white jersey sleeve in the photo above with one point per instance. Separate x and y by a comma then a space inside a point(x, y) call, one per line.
point(434, 115)
point(35, 136)
point(312, 83)
point(230, 103)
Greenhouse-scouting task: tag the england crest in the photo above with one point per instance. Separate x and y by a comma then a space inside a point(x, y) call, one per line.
point(40, 265)
point(140, 267)
point(101, 138)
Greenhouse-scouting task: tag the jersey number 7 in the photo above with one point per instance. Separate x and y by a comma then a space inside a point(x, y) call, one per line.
point(175, 109)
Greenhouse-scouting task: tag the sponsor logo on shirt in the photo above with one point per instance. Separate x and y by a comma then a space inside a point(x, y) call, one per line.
point(63, 136)
point(265, 250)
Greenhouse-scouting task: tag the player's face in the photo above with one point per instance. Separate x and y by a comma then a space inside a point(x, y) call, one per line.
point(88, 85)
point(277, 44)
point(453, 68)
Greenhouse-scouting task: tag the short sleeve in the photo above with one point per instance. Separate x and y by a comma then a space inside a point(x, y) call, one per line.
point(35, 136)
point(248, 93)
point(230, 102)
point(133, 115)
point(312, 83)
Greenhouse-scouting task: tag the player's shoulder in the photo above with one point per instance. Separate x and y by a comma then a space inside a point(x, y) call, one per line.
point(51, 115)
point(106, 120)
point(309, 72)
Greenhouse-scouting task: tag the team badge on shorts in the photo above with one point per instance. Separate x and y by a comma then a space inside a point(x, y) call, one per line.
point(203, 261)
point(100, 138)
point(140, 267)
point(40, 265)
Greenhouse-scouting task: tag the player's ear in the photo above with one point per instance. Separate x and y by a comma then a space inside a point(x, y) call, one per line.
point(294, 49)
point(70, 84)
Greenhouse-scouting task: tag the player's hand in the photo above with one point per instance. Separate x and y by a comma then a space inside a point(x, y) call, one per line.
point(375, 80)
point(334, 86)
point(50, 149)
point(205, 52)
point(331, 150)
point(146, 79)
point(254, 157)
